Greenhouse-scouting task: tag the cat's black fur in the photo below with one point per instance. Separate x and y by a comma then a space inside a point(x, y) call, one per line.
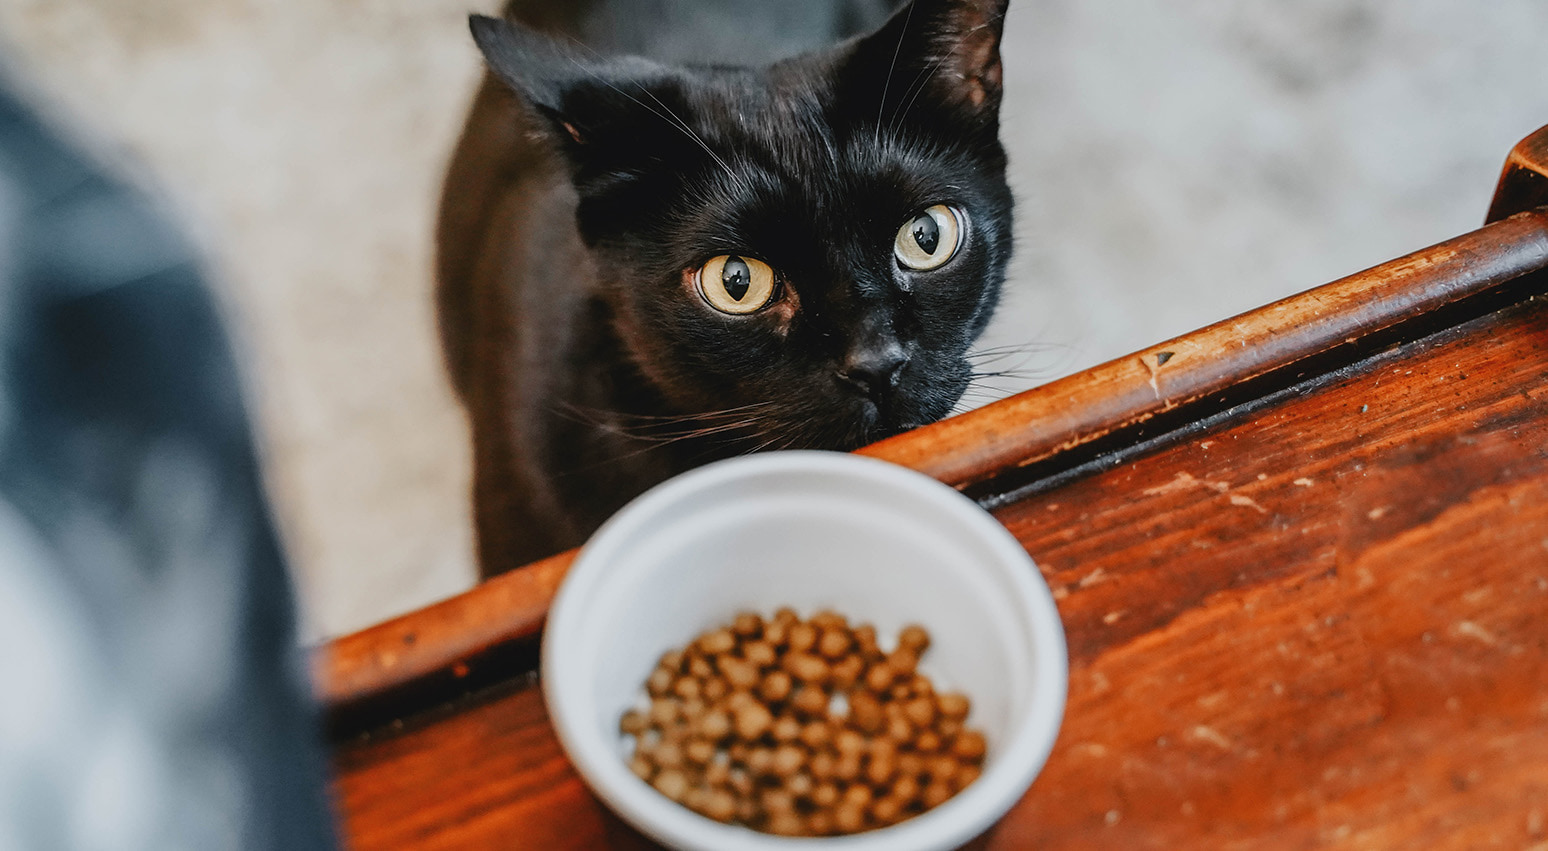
point(587, 189)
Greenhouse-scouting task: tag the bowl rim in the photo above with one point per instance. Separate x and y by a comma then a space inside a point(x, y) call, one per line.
point(960, 819)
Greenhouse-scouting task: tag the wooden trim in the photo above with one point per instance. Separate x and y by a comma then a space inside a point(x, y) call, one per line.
point(1524, 180)
point(1027, 428)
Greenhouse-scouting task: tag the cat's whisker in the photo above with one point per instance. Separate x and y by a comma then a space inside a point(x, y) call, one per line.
point(881, 108)
point(922, 80)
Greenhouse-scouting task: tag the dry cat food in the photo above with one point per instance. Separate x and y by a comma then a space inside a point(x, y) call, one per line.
point(802, 727)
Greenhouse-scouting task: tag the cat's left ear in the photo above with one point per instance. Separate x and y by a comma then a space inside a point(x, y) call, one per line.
point(941, 53)
point(569, 93)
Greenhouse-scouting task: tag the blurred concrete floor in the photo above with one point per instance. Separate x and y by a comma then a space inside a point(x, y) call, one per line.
point(1174, 163)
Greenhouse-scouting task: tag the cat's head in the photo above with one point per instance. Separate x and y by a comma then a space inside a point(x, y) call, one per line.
point(814, 243)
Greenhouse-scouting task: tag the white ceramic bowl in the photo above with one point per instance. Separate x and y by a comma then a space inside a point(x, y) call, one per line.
point(871, 540)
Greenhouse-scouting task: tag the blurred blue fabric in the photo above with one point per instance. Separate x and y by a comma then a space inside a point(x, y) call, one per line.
point(152, 693)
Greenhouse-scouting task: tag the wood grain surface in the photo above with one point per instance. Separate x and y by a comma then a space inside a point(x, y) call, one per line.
point(1321, 626)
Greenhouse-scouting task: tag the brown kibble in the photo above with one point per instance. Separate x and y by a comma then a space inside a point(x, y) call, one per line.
point(952, 705)
point(849, 818)
point(716, 642)
point(825, 795)
point(803, 637)
point(699, 751)
point(752, 720)
point(664, 711)
point(887, 810)
point(788, 759)
point(810, 701)
point(775, 687)
point(935, 794)
point(857, 796)
point(816, 735)
point(659, 682)
point(672, 783)
point(741, 727)
point(739, 673)
point(845, 672)
point(880, 676)
point(806, 667)
point(786, 728)
point(747, 625)
point(828, 619)
point(834, 643)
point(902, 662)
point(787, 824)
point(720, 805)
point(920, 712)
point(865, 711)
point(776, 800)
point(633, 722)
point(760, 653)
point(928, 742)
point(687, 688)
point(914, 638)
point(714, 725)
point(849, 741)
point(847, 767)
point(668, 754)
point(760, 761)
point(969, 745)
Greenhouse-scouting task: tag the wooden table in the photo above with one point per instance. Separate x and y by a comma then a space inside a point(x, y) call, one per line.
point(1301, 555)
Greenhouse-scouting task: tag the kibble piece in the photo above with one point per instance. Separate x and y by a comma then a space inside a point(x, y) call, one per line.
point(664, 711)
point(800, 784)
point(849, 818)
point(969, 745)
point(920, 712)
point(688, 688)
point(965, 777)
point(776, 800)
point(846, 671)
point(829, 619)
point(834, 643)
point(914, 638)
point(952, 705)
point(819, 823)
point(699, 751)
point(810, 701)
point(886, 810)
point(760, 653)
point(849, 741)
point(898, 728)
point(928, 742)
point(716, 642)
point(905, 789)
point(642, 766)
point(865, 711)
point(847, 767)
point(775, 687)
point(633, 722)
point(660, 682)
point(788, 759)
point(752, 720)
point(720, 805)
point(935, 794)
point(700, 667)
point(902, 662)
point(816, 735)
point(803, 636)
point(785, 728)
point(880, 676)
point(760, 761)
point(747, 625)
point(716, 689)
point(668, 754)
point(740, 673)
point(807, 668)
point(948, 728)
point(672, 783)
point(825, 795)
point(787, 824)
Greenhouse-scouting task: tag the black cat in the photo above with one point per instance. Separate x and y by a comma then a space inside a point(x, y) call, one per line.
point(644, 267)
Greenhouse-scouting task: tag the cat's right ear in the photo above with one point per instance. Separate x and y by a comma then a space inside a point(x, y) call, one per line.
point(526, 61)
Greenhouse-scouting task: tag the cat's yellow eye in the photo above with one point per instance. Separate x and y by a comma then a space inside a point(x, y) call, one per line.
point(738, 285)
point(929, 239)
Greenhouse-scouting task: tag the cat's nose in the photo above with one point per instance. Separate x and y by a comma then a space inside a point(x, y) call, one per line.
point(874, 369)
